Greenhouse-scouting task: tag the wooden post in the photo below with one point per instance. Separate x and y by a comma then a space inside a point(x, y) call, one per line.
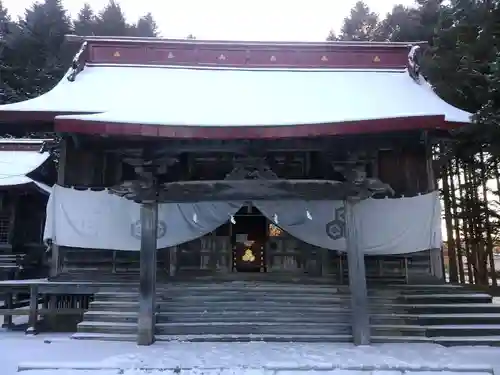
point(172, 253)
point(33, 317)
point(435, 255)
point(147, 286)
point(7, 319)
point(357, 280)
point(55, 261)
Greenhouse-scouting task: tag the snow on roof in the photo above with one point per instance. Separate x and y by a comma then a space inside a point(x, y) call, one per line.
point(23, 141)
point(15, 165)
point(236, 97)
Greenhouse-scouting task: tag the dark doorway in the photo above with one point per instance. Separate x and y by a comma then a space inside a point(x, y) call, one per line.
point(249, 235)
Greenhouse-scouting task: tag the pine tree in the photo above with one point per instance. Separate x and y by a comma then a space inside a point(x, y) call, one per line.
point(85, 23)
point(111, 21)
point(402, 24)
point(38, 55)
point(7, 94)
point(361, 25)
point(145, 27)
point(332, 36)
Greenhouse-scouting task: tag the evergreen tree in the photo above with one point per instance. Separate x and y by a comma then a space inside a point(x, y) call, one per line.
point(145, 27)
point(402, 24)
point(111, 21)
point(37, 54)
point(361, 25)
point(85, 23)
point(332, 36)
point(7, 94)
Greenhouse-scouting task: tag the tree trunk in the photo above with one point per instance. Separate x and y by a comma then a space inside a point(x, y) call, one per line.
point(456, 223)
point(459, 172)
point(487, 224)
point(452, 255)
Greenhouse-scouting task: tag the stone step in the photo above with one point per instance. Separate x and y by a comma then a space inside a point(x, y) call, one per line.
point(270, 328)
point(237, 316)
point(246, 328)
point(447, 298)
point(231, 298)
point(463, 330)
point(221, 306)
point(216, 338)
point(466, 318)
point(468, 341)
point(250, 338)
point(234, 316)
point(252, 296)
point(456, 308)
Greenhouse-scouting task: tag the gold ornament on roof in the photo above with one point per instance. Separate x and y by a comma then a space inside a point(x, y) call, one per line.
point(324, 58)
point(116, 54)
point(273, 58)
point(248, 256)
point(376, 59)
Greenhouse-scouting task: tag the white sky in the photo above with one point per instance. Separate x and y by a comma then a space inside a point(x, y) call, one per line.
point(299, 20)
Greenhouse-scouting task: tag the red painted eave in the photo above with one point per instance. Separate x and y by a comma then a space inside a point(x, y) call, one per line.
point(34, 117)
point(255, 132)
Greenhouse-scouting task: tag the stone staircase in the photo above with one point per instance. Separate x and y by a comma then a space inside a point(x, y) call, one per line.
point(300, 309)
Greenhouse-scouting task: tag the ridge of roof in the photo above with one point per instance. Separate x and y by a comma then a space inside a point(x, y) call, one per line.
point(156, 40)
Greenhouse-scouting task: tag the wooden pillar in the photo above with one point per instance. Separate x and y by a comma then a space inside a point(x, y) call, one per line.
point(172, 253)
point(147, 282)
point(33, 317)
point(435, 255)
point(55, 261)
point(357, 280)
point(7, 319)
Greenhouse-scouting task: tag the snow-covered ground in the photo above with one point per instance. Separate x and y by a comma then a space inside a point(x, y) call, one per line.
point(235, 358)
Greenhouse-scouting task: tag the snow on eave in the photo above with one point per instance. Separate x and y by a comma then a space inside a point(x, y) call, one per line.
point(34, 141)
point(42, 187)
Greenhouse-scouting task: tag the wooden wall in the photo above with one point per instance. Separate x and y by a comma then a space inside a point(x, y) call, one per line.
point(405, 170)
point(403, 167)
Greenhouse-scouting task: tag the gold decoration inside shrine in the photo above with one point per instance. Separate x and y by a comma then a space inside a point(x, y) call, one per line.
point(222, 57)
point(248, 256)
point(376, 59)
point(170, 55)
point(116, 54)
point(324, 58)
point(273, 58)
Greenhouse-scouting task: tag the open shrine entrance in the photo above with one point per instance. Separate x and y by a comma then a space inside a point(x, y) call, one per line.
point(249, 234)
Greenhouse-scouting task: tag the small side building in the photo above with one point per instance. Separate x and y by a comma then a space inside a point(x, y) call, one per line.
point(27, 172)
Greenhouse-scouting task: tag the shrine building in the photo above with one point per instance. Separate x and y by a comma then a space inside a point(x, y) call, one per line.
point(218, 191)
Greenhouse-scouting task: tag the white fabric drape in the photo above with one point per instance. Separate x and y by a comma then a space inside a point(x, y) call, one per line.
point(99, 220)
point(384, 226)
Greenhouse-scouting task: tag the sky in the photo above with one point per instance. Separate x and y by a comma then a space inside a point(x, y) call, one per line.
point(287, 20)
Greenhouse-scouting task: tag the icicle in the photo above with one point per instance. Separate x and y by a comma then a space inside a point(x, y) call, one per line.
point(232, 220)
point(195, 217)
point(275, 219)
point(309, 215)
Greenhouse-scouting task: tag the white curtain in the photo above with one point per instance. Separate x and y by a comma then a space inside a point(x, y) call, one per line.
point(384, 226)
point(99, 220)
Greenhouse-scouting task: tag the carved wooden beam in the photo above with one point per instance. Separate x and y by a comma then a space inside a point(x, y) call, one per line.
point(250, 189)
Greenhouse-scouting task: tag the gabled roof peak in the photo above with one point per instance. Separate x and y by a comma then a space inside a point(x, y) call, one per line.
point(130, 51)
point(237, 43)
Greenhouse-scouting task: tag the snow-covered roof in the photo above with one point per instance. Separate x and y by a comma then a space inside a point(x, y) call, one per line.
point(221, 97)
point(16, 165)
